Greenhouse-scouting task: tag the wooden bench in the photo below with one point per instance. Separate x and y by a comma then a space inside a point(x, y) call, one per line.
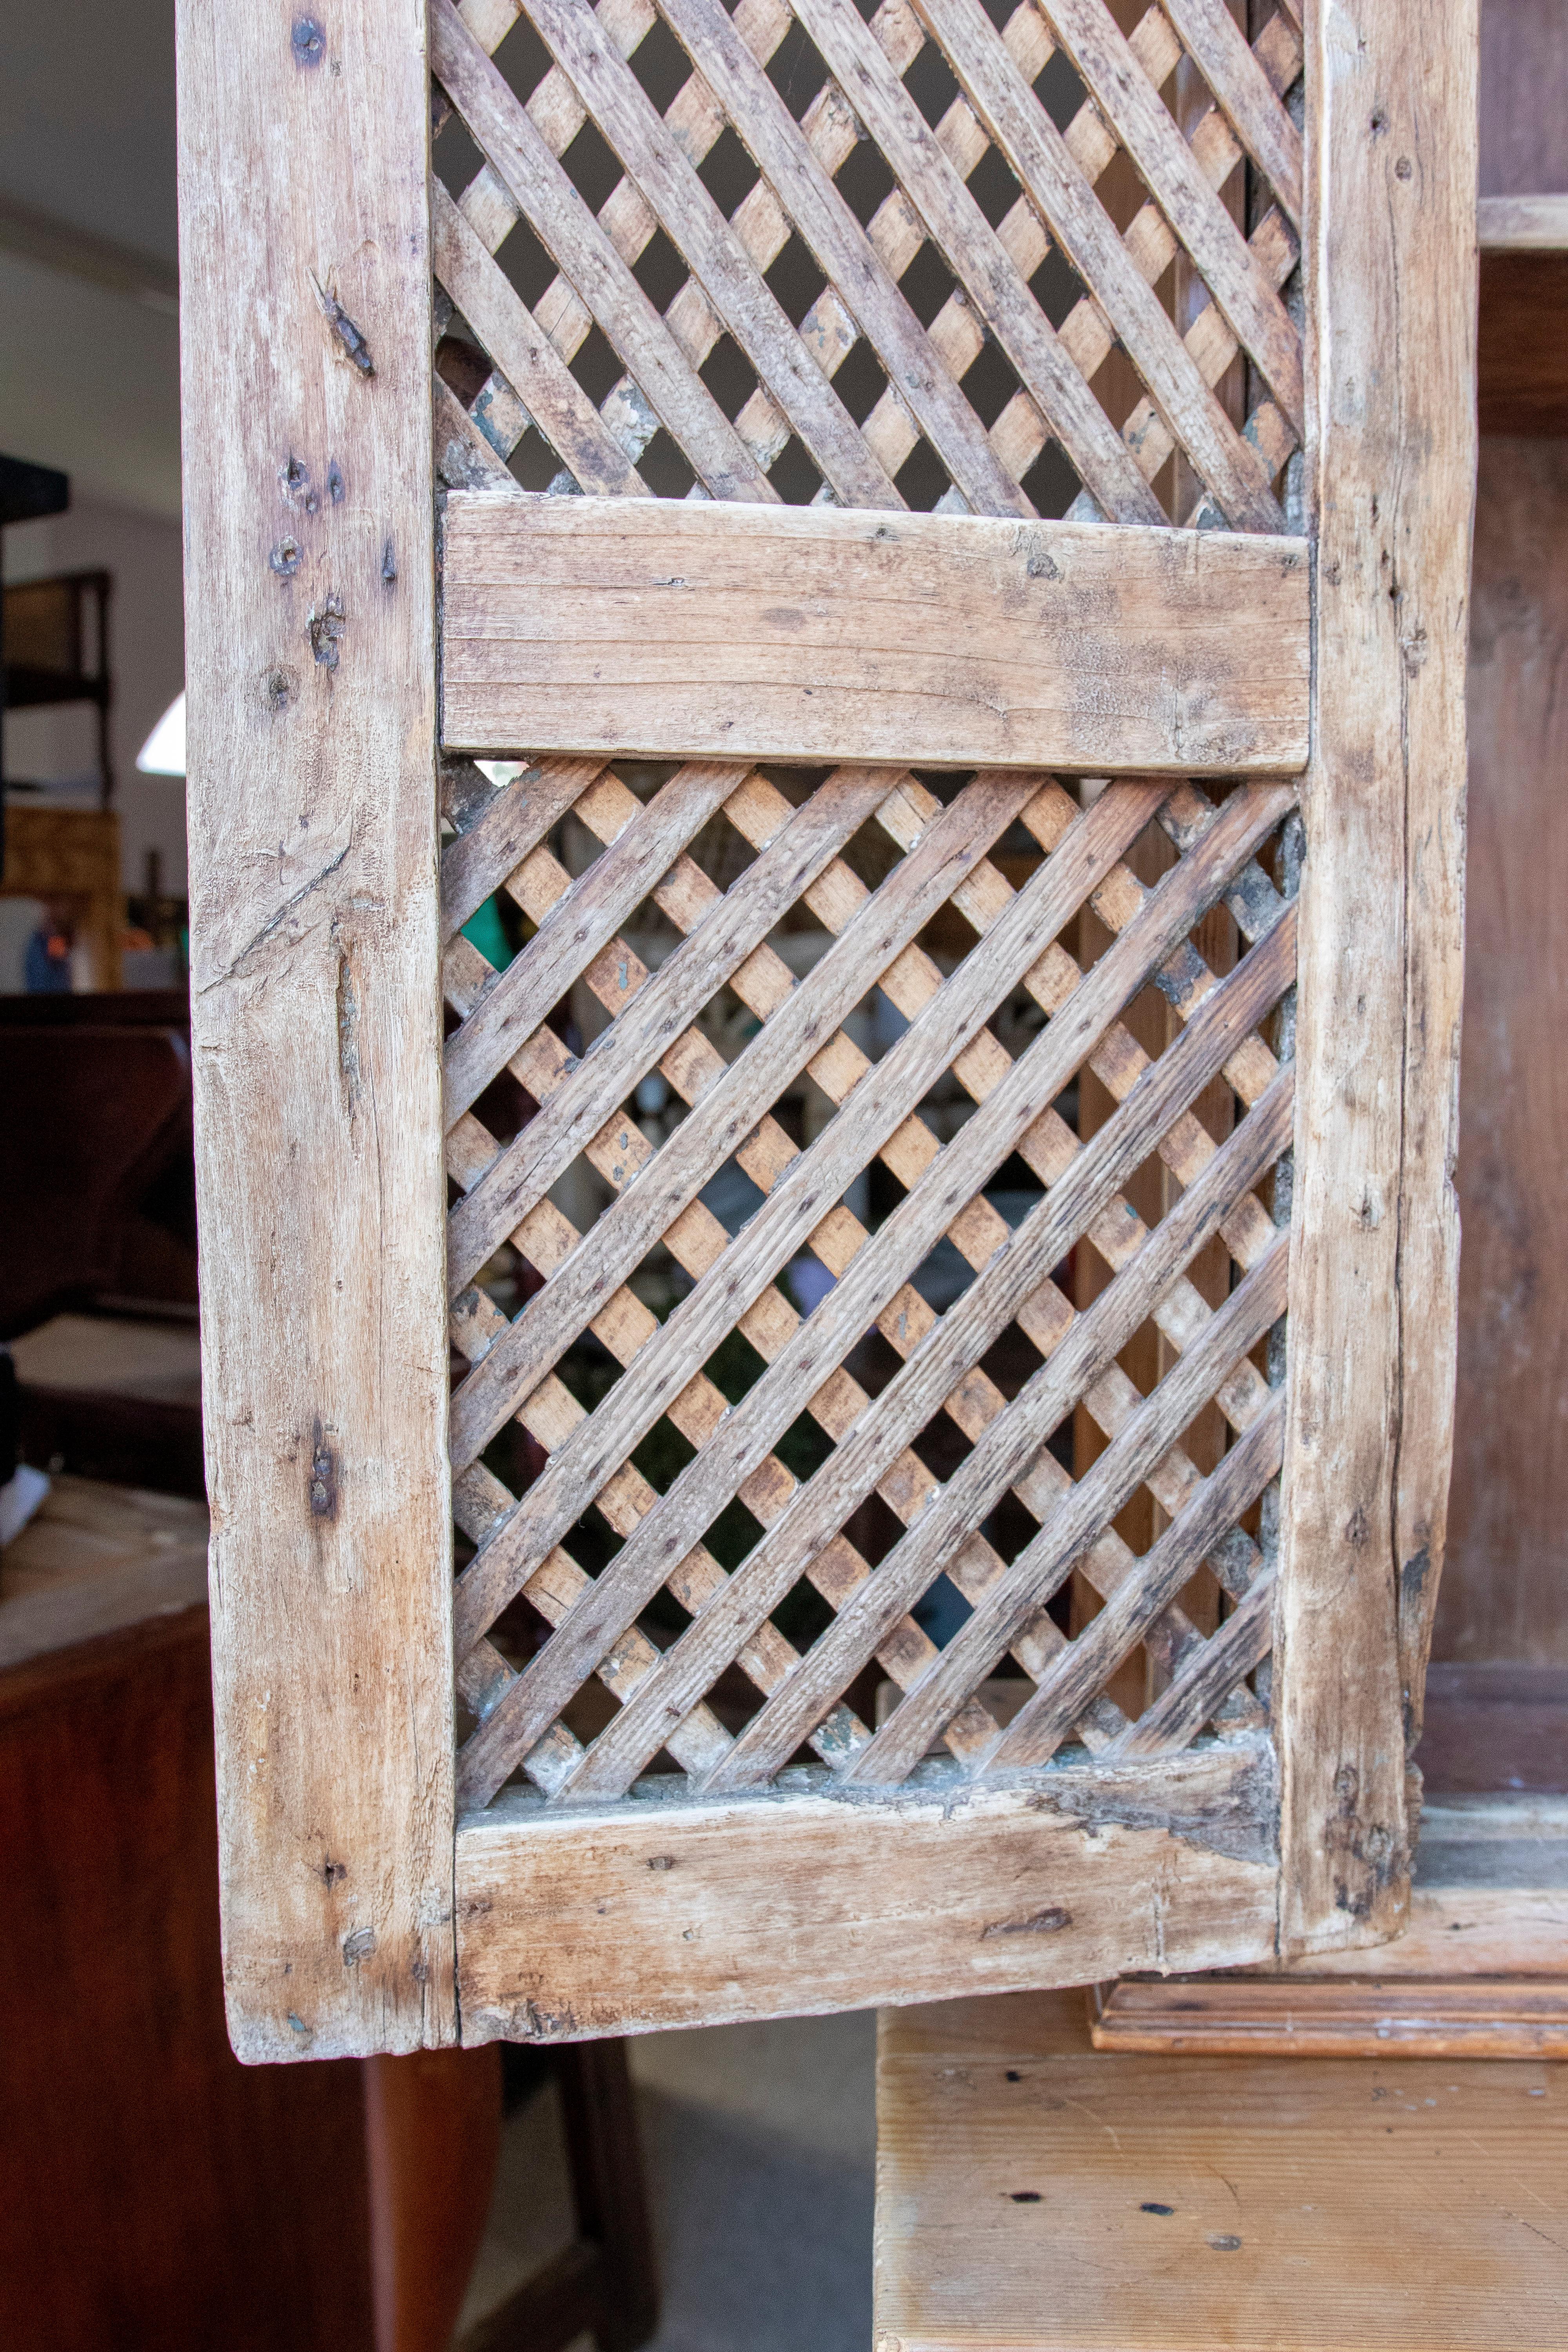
point(1035, 2192)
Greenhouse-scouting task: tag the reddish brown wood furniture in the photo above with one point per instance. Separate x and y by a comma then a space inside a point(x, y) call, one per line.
point(153, 2190)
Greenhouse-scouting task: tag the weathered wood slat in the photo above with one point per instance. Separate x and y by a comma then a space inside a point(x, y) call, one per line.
point(1389, 205)
point(697, 123)
point(599, 901)
point(1036, 152)
point(315, 1020)
point(895, 234)
point(904, 1410)
point(1049, 1147)
point(860, 279)
point(700, 630)
point(1522, 223)
point(629, 1226)
point(509, 334)
point(1022, 1431)
point(627, 1918)
point(735, 924)
point(1225, 262)
point(1049, 1714)
point(1020, 433)
point(696, 1240)
point(1189, 1700)
point(979, 1231)
point(626, 115)
point(683, 1343)
point(580, 247)
point(1038, 1571)
point(515, 821)
point(1153, 244)
point(466, 457)
point(551, 1415)
point(876, 1271)
point(863, 950)
point(977, 259)
point(1218, 47)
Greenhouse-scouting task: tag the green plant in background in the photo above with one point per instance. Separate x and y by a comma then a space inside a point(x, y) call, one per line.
point(485, 930)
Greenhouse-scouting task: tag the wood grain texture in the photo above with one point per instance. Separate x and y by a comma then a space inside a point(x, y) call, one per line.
point(523, 162)
point(691, 1912)
point(1336, 2017)
point(316, 1016)
point(740, 296)
point(861, 286)
point(1488, 1904)
point(877, 1272)
point(1232, 271)
point(531, 365)
point(1218, 47)
point(801, 633)
point(1035, 149)
point(1001, 1457)
point(1490, 1898)
point(1522, 223)
point(1502, 1595)
point(1391, 203)
point(872, 83)
point(1038, 2195)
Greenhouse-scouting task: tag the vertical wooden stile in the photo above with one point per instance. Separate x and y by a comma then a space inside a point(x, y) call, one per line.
point(1390, 236)
point(305, 316)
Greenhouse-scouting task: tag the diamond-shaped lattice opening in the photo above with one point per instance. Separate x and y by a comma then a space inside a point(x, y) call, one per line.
point(1096, 254)
point(838, 1359)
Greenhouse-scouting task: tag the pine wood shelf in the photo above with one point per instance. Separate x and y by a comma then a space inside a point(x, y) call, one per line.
point(1041, 2196)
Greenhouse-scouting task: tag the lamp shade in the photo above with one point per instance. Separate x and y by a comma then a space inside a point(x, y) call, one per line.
point(164, 752)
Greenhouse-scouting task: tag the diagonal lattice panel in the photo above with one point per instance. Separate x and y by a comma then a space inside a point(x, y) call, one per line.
point(657, 1192)
point(1005, 198)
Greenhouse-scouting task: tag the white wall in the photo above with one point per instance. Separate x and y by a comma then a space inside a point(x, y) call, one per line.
point(146, 626)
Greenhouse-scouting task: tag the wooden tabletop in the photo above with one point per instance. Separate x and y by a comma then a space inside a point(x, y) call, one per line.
point(97, 1559)
point(1033, 2192)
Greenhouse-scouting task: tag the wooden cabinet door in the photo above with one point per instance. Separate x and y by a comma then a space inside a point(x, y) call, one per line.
point(826, 924)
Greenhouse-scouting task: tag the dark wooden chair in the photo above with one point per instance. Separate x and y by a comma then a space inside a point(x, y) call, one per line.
point(603, 2284)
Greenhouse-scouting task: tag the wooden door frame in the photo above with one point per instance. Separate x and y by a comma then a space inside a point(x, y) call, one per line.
point(1391, 373)
point(316, 1015)
point(317, 1020)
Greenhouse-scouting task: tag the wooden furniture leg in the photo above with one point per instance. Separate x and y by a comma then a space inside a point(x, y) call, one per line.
point(603, 2283)
point(431, 2141)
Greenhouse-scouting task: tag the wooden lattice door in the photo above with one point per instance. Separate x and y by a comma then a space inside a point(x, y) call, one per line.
point(898, 695)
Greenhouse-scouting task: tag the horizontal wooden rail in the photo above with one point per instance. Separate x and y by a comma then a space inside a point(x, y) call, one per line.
point(673, 1911)
point(1522, 223)
point(690, 630)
